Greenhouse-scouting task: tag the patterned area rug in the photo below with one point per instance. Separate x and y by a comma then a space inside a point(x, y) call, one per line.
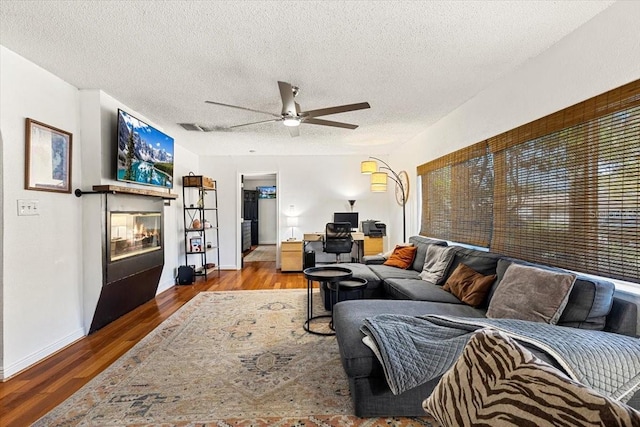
point(262, 253)
point(238, 358)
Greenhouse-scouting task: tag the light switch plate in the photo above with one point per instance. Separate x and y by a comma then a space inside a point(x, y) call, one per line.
point(28, 207)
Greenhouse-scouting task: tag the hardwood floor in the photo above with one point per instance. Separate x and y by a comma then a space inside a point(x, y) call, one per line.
point(29, 395)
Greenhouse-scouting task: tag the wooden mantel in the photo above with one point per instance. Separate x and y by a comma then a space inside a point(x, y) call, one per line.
point(135, 191)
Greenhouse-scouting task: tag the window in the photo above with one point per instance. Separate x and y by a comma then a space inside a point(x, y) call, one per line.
point(565, 189)
point(457, 194)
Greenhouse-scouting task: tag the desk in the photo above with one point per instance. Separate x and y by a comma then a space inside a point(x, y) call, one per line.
point(373, 245)
point(291, 255)
point(313, 241)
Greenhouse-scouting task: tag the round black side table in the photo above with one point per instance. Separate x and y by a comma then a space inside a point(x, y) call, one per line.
point(354, 284)
point(323, 274)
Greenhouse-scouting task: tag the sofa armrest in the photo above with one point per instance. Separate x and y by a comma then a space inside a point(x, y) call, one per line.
point(373, 259)
point(622, 318)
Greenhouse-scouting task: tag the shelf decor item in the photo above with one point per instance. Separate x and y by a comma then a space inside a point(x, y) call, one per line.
point(47, 158)
point(196, 244)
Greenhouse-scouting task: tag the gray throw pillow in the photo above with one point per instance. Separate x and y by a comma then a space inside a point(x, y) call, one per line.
point(530, 293)
point(436, 263)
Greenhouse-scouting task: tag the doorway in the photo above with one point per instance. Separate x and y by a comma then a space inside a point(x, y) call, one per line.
point(259, 218)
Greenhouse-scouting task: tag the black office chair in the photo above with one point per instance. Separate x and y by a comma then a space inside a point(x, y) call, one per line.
point(337, 239)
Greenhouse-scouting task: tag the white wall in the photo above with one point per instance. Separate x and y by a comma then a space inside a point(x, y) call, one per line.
point(98, 122)
point(597, 57)
point(41, 295)
point(316, 186)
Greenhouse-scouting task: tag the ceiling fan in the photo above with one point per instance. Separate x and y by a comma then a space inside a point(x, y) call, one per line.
point(292, 115)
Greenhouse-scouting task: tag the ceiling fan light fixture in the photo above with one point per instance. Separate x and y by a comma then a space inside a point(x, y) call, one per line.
point(291, 121)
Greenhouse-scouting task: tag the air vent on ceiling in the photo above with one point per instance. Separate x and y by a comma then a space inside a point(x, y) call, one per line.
point(193, 126)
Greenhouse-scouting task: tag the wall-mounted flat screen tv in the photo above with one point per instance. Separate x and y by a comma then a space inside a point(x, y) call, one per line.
point(266, 192)
point(145, 155)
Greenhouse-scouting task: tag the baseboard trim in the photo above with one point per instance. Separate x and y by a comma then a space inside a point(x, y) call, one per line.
point(6, 372)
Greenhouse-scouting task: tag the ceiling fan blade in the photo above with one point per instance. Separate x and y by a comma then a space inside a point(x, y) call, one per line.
point(335, 110)
point(329, 123)
point(242, 108)
point(255, 123)
point(288, 104)
point(294, 130)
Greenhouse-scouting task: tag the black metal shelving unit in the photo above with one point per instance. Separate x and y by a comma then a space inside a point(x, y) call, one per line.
point(201, 232)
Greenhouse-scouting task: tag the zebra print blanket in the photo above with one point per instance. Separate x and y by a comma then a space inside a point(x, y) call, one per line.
point(415, 350)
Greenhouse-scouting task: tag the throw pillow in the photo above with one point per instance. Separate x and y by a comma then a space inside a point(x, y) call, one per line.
point(530, 293)
point(468, 285)
point(402, 257)
point(436, 263)
point(387, 254)
point(498, 382)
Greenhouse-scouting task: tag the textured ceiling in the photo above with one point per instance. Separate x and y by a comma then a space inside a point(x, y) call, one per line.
point(412, 61)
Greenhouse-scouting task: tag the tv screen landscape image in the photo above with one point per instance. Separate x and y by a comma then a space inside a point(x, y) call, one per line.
point(266, 192)
point(145, 155)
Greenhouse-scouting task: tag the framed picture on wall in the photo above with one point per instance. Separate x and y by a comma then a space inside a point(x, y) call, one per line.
point(47, 158)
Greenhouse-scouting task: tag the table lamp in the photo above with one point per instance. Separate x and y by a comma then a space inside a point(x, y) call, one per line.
point(292, 221)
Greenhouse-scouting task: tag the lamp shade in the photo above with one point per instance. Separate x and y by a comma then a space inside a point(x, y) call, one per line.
point(378, 188)
point(368, 166)
point(378, 178)
point(292, 221)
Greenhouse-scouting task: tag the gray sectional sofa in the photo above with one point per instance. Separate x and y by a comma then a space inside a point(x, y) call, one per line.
point(591, 305)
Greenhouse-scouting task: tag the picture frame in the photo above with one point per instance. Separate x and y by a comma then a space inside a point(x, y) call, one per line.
point(195, 244)
point(47, 158)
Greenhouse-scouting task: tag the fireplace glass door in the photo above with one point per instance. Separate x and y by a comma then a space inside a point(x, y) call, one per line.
point(134, 233)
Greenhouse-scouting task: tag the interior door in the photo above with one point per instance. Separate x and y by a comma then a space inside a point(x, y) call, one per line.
point(251, 213)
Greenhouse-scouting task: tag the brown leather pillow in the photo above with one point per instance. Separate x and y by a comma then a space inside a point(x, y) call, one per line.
point(402, 257)
point(468, 285)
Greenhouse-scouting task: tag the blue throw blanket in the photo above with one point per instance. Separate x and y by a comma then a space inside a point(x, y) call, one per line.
point(415, 350)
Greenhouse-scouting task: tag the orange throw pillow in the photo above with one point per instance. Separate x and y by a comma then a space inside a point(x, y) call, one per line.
point(402, 257)
point(468, 285)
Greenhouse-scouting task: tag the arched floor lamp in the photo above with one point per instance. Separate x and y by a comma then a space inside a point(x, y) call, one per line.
point(379, 184)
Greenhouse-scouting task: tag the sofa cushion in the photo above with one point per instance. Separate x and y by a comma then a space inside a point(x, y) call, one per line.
point(422, 243)
point(357, 359)
point(590, 300)
point(531, 293)
point(387, 254)
point(401, 257)
point(385, 272)
point(497, 379)
point(436, 263)
point(481, 261)
point(373, 259)
point(417, 290)
point(468, 285)
point(361, 271)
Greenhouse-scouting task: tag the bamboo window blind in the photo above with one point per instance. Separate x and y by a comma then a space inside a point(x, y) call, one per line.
point(565, 189)
point(458, 188)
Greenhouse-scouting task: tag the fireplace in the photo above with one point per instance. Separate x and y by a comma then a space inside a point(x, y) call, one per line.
point(132, 255)
point(133, 233)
